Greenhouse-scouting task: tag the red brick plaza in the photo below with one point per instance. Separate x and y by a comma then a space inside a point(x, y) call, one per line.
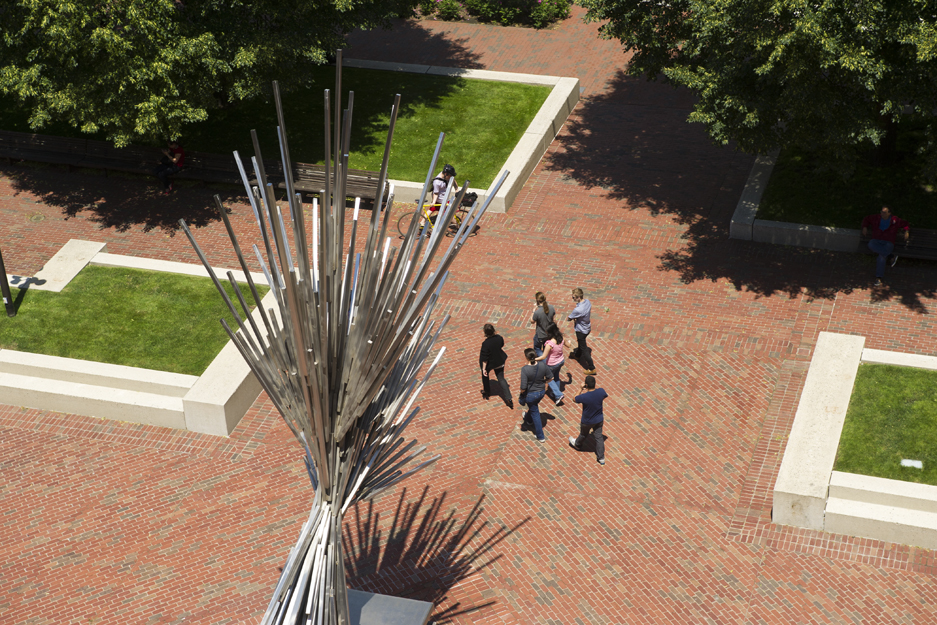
point(701, 342)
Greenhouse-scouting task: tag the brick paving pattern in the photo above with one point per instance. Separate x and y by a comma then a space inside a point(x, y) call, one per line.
point(702, 343)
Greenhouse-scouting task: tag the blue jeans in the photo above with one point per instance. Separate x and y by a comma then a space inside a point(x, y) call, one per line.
point(538, 345)
point(884, 249)
point(555, 382)
point(533, 412)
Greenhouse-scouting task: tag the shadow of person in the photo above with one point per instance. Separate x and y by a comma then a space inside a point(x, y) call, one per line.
point(588, 445)
point(424, 553)
point(494, 390)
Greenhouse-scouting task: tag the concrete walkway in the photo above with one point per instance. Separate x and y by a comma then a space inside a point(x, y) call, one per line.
point(701, 342)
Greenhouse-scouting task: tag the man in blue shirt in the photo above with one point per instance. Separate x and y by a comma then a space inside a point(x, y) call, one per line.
point(581, 318)
point(593, 418)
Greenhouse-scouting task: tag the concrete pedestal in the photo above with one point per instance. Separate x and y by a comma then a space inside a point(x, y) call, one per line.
point(367, 608)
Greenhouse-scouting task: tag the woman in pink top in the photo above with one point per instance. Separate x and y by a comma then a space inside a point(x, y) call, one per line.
point(553, 353)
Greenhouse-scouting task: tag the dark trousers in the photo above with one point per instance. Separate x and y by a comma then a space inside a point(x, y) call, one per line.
point(505, 390)
point(584, 352)
point(164, 171)
point(596, 431)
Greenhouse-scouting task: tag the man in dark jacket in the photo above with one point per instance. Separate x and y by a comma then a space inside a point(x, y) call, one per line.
point(884, 228)
point(492, 358)
point(593, 418)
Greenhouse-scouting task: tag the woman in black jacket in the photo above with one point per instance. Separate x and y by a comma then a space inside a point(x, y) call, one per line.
point(492, 358)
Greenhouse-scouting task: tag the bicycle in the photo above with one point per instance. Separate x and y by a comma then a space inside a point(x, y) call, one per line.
point(403, 224)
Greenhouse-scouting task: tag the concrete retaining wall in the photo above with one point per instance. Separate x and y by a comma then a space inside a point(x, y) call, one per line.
point(746, 227)
point(801, 489)
point(743, 219)
point(809, 494)
point(212, 403)
point(532, 145)
point(802, 235)
point(890, 510)
point(61, 268)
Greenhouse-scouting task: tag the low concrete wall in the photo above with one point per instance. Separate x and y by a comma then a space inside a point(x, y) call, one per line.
point(809, 494)
point(168, 266)
point(61, 268)
point(532, 145)
point(747, 227)
point(212, 403)
point(802, 235)
point(226, 390)
point(55, 368)
point(800, 492)
point(740, 227)
point(889, 510)
point(93, 389)
point(918, 361)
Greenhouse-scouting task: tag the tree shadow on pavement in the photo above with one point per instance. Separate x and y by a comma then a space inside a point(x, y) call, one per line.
point(118, 202)
point(408, 41)
point(422, 558)
point(632, 144)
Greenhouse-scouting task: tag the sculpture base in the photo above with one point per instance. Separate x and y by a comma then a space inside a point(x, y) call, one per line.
point(367, 608)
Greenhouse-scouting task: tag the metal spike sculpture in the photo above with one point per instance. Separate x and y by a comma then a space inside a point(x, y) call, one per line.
point(343, 364)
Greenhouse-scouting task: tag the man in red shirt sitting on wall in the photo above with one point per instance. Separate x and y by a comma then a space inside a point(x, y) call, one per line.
point(884, 228)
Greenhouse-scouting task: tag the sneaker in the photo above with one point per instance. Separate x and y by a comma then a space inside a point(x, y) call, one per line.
point(541, 440)
point(558, 402)
point(572, 443)
point(601, 461)
point(590, 372)
point(879, 282)
point(894, 259)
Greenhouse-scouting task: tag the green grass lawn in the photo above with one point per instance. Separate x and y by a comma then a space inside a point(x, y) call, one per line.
point(892, 415)
point(148, 319)
point(483, 121)
point(799, 193)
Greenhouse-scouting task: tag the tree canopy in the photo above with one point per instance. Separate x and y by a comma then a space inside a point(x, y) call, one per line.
point(144, 68)
point(826, 75)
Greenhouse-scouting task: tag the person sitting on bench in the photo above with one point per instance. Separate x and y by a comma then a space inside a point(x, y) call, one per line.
point(170, 164)
point(884, 228)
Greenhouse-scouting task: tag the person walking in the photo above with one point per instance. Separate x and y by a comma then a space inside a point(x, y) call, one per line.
point(593, 418)
point(884, 228)
point(542, 318)
point(492, 358)
point(581, 317)
point(553, 355)
point(534, 378)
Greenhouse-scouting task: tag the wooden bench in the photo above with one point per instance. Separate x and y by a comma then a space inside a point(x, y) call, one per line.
point(207, 167)
point(44, 148)
point(309, 178)
point(923, 245)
